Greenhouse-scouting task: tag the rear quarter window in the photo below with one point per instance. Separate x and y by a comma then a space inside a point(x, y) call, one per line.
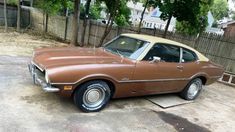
point(188, 56)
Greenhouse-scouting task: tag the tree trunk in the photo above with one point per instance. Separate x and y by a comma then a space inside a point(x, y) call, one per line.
point(109, 25)
point(167, 26)
point(85, 22)
point(142, 16)
point(66, 24)
point(45, 24)
point(31, 3)
point(5, 15)
point(108, 28)
point(18, 17)
point(74, 39)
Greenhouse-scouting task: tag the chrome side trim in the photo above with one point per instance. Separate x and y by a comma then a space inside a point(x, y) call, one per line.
point(139, 81)
point(155, 80)
point(89, 76)
point(133, 81)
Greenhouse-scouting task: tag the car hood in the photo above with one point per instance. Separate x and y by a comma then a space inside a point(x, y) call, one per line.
point(56, 57)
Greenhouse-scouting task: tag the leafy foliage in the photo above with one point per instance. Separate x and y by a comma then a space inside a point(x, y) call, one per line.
point(118, 10)
point(94, 12)
point(182, 10)
point(123, 15)
point(219, 9)
point(12, 2)
point(200, 23)
point(54, 6)
point(233, 16)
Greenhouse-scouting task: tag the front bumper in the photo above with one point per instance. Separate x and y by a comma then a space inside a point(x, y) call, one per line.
point(38, 79)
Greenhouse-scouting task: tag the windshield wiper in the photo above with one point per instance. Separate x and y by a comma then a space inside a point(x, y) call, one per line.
point(114, 51)
point(117, 51)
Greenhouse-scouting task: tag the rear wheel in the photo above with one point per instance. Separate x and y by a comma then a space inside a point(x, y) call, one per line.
point(92, 96)
point(192, 90)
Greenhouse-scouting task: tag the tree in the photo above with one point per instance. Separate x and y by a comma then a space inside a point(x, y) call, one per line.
point(148, 3)
point(182, 10)
point(200, 23)
point(142, 15)
point(75, 21)
point(94, 11)
point(5, 15)
point(123, 16)
point(233, 16)
point(86, 13)
point(112, 9)
point(118, 12)
point(18, 16)
point(49, 7)
point(219, 9)
point(85, 21)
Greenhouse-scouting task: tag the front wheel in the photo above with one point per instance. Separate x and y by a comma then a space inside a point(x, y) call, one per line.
point(92, 96)
point(192, 90)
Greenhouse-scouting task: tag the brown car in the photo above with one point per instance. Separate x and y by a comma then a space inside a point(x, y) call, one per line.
point(128, 65)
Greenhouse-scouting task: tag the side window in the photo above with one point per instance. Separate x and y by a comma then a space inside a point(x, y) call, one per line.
point(188, 56)
point(167, 53)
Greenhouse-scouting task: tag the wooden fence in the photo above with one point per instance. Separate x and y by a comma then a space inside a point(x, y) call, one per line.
point(217, 48)
point(12, 16)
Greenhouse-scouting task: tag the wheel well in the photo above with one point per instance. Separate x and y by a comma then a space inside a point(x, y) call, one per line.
point(203, 79)
point(110, 84)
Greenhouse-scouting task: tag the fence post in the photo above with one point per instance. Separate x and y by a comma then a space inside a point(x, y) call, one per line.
point(89, 30)
point(118, 31)
point(66, 24)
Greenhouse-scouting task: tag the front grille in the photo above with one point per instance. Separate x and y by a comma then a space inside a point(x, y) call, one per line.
point(39, 73)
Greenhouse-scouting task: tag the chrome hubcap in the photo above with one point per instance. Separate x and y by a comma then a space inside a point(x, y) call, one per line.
point(194, 89)
point(94, 96)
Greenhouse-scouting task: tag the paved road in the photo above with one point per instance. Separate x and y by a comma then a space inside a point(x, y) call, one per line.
point(25, 107)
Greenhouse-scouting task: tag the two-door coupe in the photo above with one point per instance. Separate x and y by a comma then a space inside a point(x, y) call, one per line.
point(128, 65)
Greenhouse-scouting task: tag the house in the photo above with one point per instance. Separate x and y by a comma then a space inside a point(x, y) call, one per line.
point(229, 29)
point(153, 20)
point(136, 11)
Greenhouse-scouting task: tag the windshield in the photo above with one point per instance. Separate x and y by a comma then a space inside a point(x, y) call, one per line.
point(126, 47)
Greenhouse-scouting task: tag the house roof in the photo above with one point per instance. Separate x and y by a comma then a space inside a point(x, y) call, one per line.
point(136, 6)
point(225, 25)
point(154, 16)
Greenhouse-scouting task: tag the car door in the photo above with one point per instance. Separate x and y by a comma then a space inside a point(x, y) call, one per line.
point(189, 63)
point(162, 76)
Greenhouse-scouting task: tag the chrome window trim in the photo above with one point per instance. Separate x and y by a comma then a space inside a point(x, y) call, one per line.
point(161, 43)
point(181, 54)
point(197, 58)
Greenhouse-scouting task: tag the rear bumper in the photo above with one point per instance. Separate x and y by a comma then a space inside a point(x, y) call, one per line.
point(39, 81)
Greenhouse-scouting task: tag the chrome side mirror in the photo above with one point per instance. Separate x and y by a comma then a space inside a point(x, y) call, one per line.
point(155, 59)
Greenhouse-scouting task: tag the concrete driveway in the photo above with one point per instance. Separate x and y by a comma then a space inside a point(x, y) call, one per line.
point(25, 107)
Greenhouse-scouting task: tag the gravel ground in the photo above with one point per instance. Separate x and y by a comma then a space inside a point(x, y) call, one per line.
point(14, 43)
point(25, 107)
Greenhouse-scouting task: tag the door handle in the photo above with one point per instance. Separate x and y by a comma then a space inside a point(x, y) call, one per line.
point(180, 67)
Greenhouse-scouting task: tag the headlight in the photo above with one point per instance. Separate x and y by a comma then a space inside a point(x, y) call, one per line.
point(46, 78)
